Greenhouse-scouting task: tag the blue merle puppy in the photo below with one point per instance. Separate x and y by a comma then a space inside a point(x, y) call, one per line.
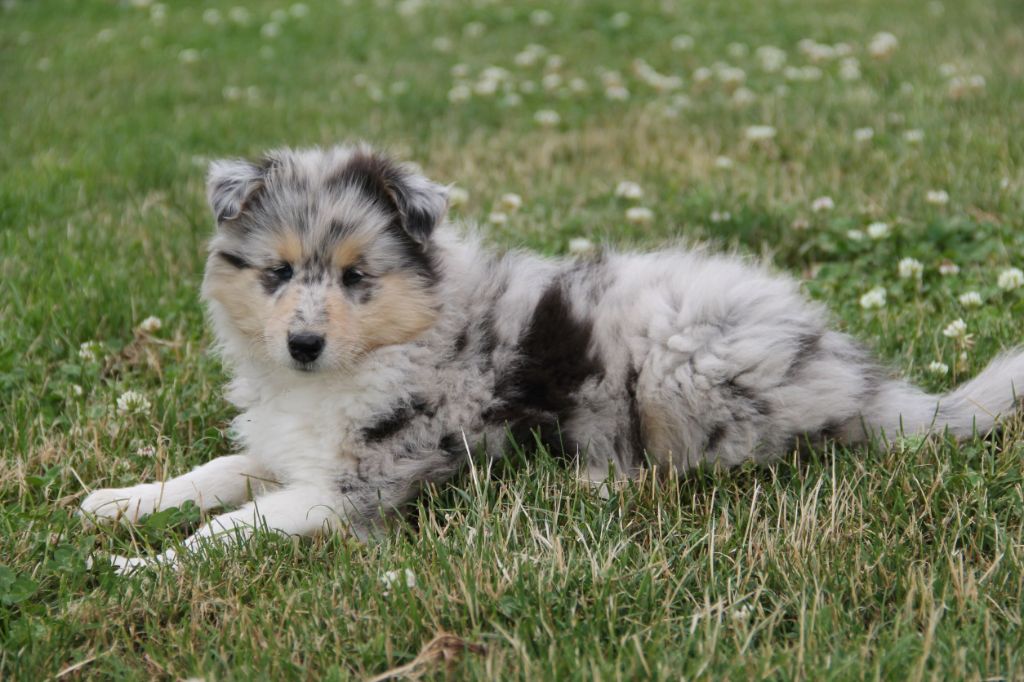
point(374, 349)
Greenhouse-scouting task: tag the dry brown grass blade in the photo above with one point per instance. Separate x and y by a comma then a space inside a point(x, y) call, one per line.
point(445, 647)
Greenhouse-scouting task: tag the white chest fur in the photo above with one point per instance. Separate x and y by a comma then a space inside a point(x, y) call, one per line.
point(304, 429)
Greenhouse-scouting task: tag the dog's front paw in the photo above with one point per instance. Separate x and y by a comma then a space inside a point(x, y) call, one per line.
point(127, 565)
point(127, 504)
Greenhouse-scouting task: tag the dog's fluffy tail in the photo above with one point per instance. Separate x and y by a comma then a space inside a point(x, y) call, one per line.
point(977, 406)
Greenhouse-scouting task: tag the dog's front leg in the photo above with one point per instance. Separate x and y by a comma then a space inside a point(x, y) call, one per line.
point(225, 481)
point(297, 510)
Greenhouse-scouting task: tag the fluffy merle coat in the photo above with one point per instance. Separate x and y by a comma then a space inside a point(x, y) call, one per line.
point(375, 349)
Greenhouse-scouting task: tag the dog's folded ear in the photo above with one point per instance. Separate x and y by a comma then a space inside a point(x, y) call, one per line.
point(232, 185)
point(423, 204)
point(419, 204)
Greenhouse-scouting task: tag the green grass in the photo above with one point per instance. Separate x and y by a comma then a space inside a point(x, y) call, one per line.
point(895, 564)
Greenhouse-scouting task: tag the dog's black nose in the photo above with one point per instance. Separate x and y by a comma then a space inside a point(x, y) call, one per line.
point(305, 346)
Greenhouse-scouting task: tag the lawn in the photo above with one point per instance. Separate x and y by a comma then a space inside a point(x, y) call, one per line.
point(872, 149)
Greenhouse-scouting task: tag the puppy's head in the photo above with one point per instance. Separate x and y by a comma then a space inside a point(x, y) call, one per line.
point(320, 256)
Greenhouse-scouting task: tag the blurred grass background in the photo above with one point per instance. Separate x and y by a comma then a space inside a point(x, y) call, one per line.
point(735, 119)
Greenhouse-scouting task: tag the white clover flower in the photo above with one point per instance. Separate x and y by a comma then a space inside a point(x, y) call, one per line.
point(737, 50)
point(212, 17)
point(702, 74)
point(802, 73)
point(822, 204)
point(409, 8)
point(459, 70)
point(957, 329)
point(910, 268)
point(90, 351)
point(442, 44)
point(528, 87)
point(77, 390)
point(863, 134)
point(157, 13)
point(486, 87)
point(457, 196)
point(511, 99)
point(474, 29)
point(581, 246)
point(772, 58)
point(720, 216)
point(279, 16)
point(145, 451)
point(132, 402)
point(541, 17)
point(855, 235)
point(723, 162)
point(939, 197)
point(547, 118)
point(878, 230)
point(873, 299)
point(239, 15)
point(578, 85)
point(620, 20)
point(743, 97)
point(188, 56)
point(682, 43)
point(914, 135)
point(616, 93)
point(1010, 279)
point(529, 55)
point(459, 93)
point(638, 215)
point(151, 324)
point(551, 81)
point(741, 613)
point(510, 202)
point(849, 69)
point(970, 299)
point(883, 45)
point(495, 73)
point(497, 218)
point(732, 77)
point(963, 86)
point(392, 578)
point(760, 133)
point(270, 30)
point(939, 368)
point(629, 190)
point(948, 267)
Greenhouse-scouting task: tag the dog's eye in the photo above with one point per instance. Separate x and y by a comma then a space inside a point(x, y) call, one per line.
point(352, 276)
point(282, 272)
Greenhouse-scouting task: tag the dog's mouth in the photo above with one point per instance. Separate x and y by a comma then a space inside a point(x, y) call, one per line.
point(304, 367)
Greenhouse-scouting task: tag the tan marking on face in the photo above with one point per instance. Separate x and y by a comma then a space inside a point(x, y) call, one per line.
point(401, 309)
point(340, 323)
point(238, 292)
point(289, 247)
point(349, 251)
point(281, 314)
